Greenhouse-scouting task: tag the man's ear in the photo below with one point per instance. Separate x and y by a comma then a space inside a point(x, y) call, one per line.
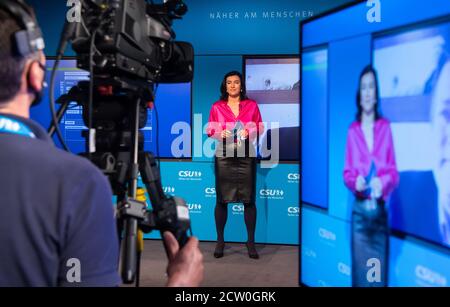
point(35, 77)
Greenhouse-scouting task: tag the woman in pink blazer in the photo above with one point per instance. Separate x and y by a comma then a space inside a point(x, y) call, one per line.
point(370, 173)
point(235, 121)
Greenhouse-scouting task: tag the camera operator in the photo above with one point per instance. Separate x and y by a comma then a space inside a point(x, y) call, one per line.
point(56, 223)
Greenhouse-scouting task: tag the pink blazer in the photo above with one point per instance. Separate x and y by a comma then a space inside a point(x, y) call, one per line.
point(358, 159)
point(222, 118)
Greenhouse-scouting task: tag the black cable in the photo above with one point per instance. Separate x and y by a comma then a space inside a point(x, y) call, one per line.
point(157, 126)
point(91, 91)
point(66, 36)
point(52, 103)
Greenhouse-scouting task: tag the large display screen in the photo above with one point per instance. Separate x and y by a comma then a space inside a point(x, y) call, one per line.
point(274, 84)
point(375, 162)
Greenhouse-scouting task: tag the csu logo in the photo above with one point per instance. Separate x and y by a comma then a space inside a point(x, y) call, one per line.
point(430, 276)
point(210, 191)
point(190, 175)
point(169, 189)
point(237, 209)
point(293, 211)
point(308, 252)
point(270, 193)
point(326, 234)
point(195, 208)
point(293, 176)
point(343, 268)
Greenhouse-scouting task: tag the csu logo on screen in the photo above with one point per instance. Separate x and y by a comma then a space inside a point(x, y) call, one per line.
point(433, 278)
point(308, 252)
point(237, 209)
point(169, 189)
point(327, 234)
point(210, 192)
point(271, 194)
point(293, 177)
point(195, 208)
point(190, 175)
point(293, 211)
point(343, 268)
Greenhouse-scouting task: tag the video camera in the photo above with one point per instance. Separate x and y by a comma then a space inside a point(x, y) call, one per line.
point(133, 39)
point(128, 46)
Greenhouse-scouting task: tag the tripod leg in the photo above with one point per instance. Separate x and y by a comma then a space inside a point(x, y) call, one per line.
point(151, 178)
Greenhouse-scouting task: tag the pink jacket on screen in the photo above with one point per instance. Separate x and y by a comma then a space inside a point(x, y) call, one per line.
point(358, 159)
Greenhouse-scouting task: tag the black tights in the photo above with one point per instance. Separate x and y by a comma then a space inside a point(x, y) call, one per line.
point(221, 214)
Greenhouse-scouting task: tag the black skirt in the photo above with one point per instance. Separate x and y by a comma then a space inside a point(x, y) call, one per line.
point(235, 177)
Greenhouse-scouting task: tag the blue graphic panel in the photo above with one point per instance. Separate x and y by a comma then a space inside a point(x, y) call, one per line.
point(325, 246)
point(315, 127)
point(415, 264)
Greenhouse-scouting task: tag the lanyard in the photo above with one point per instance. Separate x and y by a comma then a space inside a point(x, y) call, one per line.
point(9, 125)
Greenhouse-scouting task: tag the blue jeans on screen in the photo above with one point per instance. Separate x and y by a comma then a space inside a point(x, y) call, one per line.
point(370, 235)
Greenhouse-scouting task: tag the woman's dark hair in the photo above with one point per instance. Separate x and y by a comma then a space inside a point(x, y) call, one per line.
point(366, 70)
point(223, 86)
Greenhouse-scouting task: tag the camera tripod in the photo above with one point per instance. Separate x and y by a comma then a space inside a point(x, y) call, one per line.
point(119, 111)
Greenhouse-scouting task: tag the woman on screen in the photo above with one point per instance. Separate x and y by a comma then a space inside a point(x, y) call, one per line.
point(440, 119)
point(370, 173)
point(236, 122)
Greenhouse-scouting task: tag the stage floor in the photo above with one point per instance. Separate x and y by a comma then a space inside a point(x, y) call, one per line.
point(277, 266)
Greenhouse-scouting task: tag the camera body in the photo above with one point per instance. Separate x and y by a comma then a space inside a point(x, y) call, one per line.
point(133, 39)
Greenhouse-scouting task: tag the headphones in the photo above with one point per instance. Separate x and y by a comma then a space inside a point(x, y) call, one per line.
point(28, 40)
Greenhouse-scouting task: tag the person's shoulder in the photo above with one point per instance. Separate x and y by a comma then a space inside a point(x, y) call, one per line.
point(383, 125)
point(354, 125)
point(73, 159)
point(66, 165)
point(219, 103)
point(383, 122)
point(84, 165)
point(250, 103)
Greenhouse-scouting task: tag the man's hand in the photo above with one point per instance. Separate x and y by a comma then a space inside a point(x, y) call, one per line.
point(185, 268)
